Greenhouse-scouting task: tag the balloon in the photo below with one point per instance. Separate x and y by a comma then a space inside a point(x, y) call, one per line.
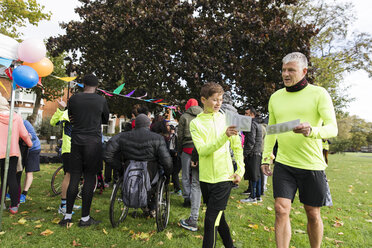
point(31, 50)
point(25, 76)
point(8, 47)
point(43, 67)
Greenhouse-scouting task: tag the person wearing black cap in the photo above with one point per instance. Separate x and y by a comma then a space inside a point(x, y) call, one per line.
point(140, 144)
point(87, 111)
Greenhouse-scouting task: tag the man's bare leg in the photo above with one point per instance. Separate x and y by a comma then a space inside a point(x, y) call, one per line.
point(314, 226)
point(282, 222)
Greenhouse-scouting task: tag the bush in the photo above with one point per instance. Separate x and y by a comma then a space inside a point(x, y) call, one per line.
point(339, 145)
point(45, 130)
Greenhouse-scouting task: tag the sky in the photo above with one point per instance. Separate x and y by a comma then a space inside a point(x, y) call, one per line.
point(359, 82)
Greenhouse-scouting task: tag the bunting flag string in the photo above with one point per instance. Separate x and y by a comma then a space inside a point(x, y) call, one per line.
point(66, 79)
point(131, 93)
point(2, 86)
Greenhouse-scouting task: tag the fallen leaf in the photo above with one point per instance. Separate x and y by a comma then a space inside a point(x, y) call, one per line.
point(97, 210)
point(266, 229)
point(370, 221)
point(365, 192)
point(340, 233)
point(74, 243)
point(124, 228)
point(169, 235)
point(299, 231)
point(69, 225)
point(161, 243)
point(338, 223)
point(22, 221)
point(233, 233)
point(198, 236)
point(232, 197)
point(38, 226)
point(114, 245)
point(239, 207)
point(255, 226)
point(47, 232)
point(56, 220)
point(37, 222)
point(24, 212)
point(29, 233)
point(269, 208)
point(2, 233)
point(104, 231)
point(297, 212)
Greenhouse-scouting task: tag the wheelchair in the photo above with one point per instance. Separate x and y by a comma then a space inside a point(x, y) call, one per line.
point(119, 211)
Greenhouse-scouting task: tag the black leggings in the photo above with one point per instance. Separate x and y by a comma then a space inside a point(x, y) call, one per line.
point(87, 192)
point(211, 227)
point(12, 179)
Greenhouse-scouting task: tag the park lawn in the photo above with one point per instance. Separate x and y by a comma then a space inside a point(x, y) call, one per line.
point(346, 224)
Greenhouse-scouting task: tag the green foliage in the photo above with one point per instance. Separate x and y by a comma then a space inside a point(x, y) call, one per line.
point(15, 14)
point(335, 50)
point(339, 145)
point(169, 49)
point(45, 130)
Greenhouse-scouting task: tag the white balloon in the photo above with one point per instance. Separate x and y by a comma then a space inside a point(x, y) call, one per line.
point(31, 50)
point(8, 47)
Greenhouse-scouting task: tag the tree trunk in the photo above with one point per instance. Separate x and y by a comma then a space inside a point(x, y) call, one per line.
point(35, 111)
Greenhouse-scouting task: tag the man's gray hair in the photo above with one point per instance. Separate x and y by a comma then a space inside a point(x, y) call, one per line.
point(298, 57)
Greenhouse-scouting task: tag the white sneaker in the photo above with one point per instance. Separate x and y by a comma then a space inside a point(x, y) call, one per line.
point(248, 200)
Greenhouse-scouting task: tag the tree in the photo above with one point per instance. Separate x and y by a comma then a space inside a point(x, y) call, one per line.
point(335, 49)
point(15, 14)
point(171, 48)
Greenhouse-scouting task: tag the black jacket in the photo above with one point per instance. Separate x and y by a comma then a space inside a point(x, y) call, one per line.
point(141, 145)
point(253, 140)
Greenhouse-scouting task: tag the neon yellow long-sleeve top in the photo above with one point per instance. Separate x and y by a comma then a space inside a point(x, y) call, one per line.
point(313, 105)
point(61, 117)
point(211, 142)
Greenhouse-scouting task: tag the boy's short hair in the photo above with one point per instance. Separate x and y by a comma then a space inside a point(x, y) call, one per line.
point(211, 88)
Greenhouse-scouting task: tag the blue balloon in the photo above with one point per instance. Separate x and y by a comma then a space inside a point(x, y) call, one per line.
point(25, 76)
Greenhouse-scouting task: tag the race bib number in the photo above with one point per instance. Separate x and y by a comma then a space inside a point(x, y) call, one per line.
point(282, 127)
point(242, 122)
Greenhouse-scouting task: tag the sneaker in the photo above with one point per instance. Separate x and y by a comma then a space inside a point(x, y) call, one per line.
point(76, 207)
point(7, 197)
point(62, 210)
point(106, 185)
point(189, 225)
point(258, 199)
point(13, 210)
point(248, 200)
point(22, 199)
point(89, 222)
point(247, 192)
point(64, 222)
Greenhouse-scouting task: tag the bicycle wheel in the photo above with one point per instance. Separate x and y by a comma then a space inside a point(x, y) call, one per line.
point(162, 205)
point(118, 211)
point(57, 179)
point(80, 188)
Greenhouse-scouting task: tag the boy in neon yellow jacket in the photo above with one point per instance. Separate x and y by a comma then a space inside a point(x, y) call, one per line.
point(211, 138)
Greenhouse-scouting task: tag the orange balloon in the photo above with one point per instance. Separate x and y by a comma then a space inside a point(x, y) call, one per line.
point(43, 67)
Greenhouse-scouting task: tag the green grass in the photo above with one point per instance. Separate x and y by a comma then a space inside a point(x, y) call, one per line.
point(349, 178)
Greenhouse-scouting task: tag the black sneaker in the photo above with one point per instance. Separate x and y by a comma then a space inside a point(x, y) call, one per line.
point(247, 192)
point(89, 222)
point(189, 225)
point(64, 222)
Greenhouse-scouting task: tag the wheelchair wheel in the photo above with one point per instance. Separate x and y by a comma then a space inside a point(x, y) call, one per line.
point(57, 179)
point(118, 211)
point(162, 205)
point(80, 189)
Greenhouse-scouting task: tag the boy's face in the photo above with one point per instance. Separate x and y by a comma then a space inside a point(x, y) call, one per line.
point(212, 103)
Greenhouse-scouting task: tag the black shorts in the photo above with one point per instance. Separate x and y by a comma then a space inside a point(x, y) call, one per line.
point(32, 163)
point(312, 185)
point(66, 162)
point(216, 195)
point(86, 158)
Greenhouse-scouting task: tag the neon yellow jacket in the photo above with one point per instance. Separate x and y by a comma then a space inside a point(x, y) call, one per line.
point(61, 117)
point(313, 105)
point(213, 145)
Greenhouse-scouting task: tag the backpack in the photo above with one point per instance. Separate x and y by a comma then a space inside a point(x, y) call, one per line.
point(136, 184)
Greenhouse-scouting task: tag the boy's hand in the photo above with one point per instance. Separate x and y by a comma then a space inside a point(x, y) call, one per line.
point(236, 178)
point(230, 131)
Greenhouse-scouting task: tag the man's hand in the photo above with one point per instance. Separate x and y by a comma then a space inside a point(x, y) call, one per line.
point(61, 105)
point(236, 178)
point(303, 128)
point(266, 170)
point(194, 164)
point(230, 131)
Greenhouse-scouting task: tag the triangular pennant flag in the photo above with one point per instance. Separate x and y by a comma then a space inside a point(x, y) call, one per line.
point(131, 93)
point(142, 96)
point(80, 85)
point(163, 103)
point(5, 62)
point(158, 101)
point(149, 100)
point(119, 89)
point(9, 73)
point(39, 83)
point(108, 94)
point(66, 79)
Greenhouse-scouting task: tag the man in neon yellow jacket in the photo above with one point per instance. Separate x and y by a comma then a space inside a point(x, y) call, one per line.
point(211, 138)
point(299, 162)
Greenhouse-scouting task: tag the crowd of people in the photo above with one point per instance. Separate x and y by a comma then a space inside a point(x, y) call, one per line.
point(212, 157)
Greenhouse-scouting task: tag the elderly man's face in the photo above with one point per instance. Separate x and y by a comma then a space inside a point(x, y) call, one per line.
point(292, 73)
